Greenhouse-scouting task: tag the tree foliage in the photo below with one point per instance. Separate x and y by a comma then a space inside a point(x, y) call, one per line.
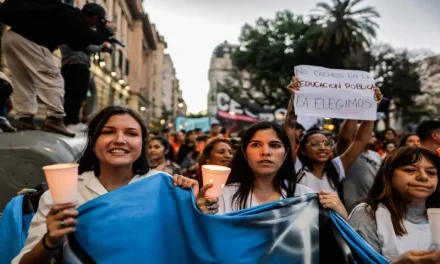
point(337, 35)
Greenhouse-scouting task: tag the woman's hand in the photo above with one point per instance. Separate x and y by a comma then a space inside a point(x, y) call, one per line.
point(418, 257)
point(330, 200)
point(378, 96)
point(205, 204)
point(293, 86)
point(186, 183)
point(60, 221)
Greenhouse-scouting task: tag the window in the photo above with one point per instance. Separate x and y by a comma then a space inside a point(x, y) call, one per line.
point(121, 59)
point(127, 67)
point(154, 86)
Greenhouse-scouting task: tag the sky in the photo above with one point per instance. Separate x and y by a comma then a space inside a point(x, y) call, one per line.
point(193, 28)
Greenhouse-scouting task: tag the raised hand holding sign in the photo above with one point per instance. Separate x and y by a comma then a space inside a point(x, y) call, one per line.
point(344, 94)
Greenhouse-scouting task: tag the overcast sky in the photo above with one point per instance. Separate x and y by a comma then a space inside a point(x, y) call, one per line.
point(193, 28)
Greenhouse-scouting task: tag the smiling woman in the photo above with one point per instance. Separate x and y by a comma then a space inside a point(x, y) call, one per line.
point(115, 156)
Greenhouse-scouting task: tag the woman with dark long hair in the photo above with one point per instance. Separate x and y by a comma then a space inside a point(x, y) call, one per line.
point(262, 171)
point(314, 164)
point(158, 148)
point(115, 155)
point(393, 217)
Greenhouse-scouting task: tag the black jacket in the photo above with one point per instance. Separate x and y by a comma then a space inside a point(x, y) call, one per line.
point(51, 23)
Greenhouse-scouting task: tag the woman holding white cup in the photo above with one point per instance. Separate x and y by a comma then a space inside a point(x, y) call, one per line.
point(393, 219)
point(114, 157)
point(262, 171)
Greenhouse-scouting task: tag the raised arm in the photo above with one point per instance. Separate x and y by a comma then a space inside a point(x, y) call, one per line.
point(360, 141)
point(345, 136)
point(290, 120)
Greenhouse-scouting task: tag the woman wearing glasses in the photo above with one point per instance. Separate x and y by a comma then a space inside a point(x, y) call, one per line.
point(315, 166)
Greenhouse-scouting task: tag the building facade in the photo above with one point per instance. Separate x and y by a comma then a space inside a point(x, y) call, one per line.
point(132, 75)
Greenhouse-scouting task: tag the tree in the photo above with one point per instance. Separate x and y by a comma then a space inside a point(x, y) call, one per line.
point(397, 77)
point(343, 31)
point(267, 54)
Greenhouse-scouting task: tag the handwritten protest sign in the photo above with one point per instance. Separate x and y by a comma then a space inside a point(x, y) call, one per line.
point(344, 94)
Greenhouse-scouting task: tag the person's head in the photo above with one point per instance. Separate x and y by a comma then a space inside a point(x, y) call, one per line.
point(410, 140)
point(158, 148)
point(198, 131)
point(190, 137)
point(179, 137)
point(372, 141)
point(218, 151)
point(314, 149)
point(388, 147)
point(201, 143)
point(389, 134)
point(151, 135)
point(299, 130)
point(165, 133)
point(265, 153)
point(429, 131)
point(116, 137)
point(407, 176)
point(94, 14)
point(215, 129)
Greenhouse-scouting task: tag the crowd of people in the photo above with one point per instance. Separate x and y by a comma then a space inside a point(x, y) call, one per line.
point(383, 197)
point(381, 183)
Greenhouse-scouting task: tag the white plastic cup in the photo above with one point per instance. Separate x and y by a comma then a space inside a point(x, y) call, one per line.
point(217, 175)
point(434, 223)
point(63, 182)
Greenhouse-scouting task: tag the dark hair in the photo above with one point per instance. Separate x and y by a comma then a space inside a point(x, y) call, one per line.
point(165, 130)
point(197, 130)
point(426, 128)
point(203, 138)
point(187, 134)
point(385, 144)
point(390, 129)
point(206, 153)
point(329, 167)
point(166, 145)
point(88, 160)
point(383, 192)
point(241, 172)
point(299, 126)
point(404, 139)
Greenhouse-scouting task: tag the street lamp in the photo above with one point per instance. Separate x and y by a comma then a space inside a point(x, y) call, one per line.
point(162, 122)
point(127, 88)
point(102, 63)
point(180, 105)
point(113, 74)
point(143, 108)
point(121, 81)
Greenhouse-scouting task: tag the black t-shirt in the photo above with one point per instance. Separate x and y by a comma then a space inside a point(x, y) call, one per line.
point(61, 25)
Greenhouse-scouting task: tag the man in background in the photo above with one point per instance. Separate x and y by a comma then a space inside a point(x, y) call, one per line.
point(429, 134)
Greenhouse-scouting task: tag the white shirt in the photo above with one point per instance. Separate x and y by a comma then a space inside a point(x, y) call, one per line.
point(225, 200)
point(317, 184)
point(89, 187)
point(418, 236)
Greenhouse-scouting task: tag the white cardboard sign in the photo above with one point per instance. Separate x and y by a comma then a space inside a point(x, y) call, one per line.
point(344, 94)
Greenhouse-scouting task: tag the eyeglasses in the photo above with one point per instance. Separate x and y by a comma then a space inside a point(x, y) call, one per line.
point(317, 144)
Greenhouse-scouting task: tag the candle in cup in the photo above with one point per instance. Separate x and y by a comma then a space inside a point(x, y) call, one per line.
point(217, 175)
point(62, 180)
point(434, 223)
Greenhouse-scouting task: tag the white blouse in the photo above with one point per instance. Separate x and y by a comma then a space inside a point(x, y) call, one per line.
point(225, 200)
point(323, 184)
point(89, 187)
